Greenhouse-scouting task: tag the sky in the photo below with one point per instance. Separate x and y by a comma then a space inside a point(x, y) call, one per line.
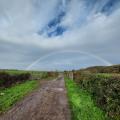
point(59, 34)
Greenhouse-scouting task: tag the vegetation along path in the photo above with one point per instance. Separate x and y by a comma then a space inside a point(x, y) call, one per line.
point(81, 104)
point(49, 102)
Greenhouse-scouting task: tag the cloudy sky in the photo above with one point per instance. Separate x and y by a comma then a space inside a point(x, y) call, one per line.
point(59, 34)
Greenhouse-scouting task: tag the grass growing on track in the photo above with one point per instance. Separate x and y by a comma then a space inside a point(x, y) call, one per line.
point(81, 104)
point(10, 96)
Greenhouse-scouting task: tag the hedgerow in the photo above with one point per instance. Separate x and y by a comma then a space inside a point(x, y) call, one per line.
point(7, 80)
point(105, 89)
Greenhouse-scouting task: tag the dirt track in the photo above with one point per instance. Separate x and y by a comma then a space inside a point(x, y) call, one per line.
point(49, 102)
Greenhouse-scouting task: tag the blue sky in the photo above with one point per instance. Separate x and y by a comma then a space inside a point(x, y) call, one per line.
point(59, 34)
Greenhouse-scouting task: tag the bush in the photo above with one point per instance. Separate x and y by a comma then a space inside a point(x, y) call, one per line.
point(52, 74)
point(6, 80)
point(105, 90)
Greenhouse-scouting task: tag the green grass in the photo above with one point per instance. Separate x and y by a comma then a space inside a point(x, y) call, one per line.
point(34, 74)
point(10, 96)
point(14, 72)
point(81, 104)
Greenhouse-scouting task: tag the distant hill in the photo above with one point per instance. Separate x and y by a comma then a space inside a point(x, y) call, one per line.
point(103, 69)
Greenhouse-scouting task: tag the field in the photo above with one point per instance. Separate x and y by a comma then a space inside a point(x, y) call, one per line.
point(34, 74)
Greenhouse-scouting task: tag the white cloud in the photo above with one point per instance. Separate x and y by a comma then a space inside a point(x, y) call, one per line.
point(20, 20)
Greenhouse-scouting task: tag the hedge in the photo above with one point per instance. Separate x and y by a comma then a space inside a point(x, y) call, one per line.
point(7, 80)
point(105, 90)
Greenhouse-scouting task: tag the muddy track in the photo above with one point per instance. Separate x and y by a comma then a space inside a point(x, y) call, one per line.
point(49, 102)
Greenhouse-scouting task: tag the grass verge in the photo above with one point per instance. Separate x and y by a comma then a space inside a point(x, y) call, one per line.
point(81, 104)
point(10, 96)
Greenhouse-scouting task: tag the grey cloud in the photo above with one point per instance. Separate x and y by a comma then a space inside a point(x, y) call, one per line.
point(20, 45)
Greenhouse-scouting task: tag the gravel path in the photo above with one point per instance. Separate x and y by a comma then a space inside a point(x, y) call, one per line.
point(48, 102)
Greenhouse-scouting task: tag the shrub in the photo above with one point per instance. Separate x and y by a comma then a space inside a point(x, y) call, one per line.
point(105, 90)
point(6, 80)
point(52, 74)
